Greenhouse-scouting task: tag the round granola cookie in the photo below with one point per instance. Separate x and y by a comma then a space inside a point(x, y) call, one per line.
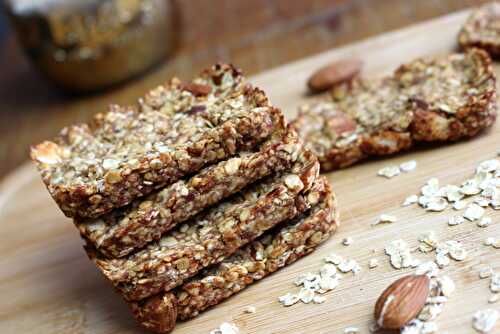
point(482, 29)
point(429, 99)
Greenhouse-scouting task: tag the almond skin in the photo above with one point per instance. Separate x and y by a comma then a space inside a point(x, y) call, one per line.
point(402, 301)
point(334, 74)
point(197, 89)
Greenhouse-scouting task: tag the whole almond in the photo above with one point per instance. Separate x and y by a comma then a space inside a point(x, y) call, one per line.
point(334, 74)
point(402, 301)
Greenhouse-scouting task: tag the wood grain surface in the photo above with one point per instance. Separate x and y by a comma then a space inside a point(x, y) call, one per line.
point(256, 35)
point(48, 285)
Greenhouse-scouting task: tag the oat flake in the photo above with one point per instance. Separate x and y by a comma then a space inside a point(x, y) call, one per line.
point(484, 320)
point(389, 171)
point(408, 166)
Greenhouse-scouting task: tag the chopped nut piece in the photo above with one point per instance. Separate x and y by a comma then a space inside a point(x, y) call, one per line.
point(351, 330)
point(293, 182)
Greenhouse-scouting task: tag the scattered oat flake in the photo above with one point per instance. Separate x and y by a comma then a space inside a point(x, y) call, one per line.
point(488, 166)
point(452, 193)
point(484, 222)
point(389, 171)
point(495, 282)
point(319, 299)
point(482, 202)
point(473, 212)
point(447, 285)
point(484, 320)
point(412, 199)
point(347, 241)
point(250, 309)
point(334, 258)
point(431, 188)
point(385, 219)
point(494, 298)
point(373, 263)
point(226, 328)
point(400, 256)
point(456, 220)
point(428, 268)
point(289, 299)
point(489, 241)
point(459, 205)
point(485, 272)
point(408, 166)
point(351, 330)
point(436, 204)
point(306, 295)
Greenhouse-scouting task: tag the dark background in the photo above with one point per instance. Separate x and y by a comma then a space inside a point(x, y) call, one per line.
point(253, 34)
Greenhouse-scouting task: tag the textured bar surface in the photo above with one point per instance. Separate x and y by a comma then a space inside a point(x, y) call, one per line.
point(213, 235)
point(120, 232)
point(274, 250)
point(175, 130)
point(427, 100)
point(481, 29)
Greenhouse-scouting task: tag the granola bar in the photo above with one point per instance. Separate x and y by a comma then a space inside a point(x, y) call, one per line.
point(271, 252)
point(175, 130)
point(118, 233)
point(213, 235)
point(481, 29)
point(428, 100)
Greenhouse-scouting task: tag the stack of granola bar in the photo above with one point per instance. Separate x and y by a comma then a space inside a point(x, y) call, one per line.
point(190, 196)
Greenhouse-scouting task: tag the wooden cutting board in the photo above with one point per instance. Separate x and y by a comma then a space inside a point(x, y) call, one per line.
point(47, 285)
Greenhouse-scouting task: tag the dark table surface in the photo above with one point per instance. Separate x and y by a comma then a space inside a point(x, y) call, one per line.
point(253, 34)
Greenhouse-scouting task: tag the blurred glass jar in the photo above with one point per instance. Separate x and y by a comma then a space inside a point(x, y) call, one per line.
point(85, 45)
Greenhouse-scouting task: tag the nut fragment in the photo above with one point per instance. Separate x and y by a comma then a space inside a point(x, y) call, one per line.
point(334, 74)
point(402, 301)
point(198, 89)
